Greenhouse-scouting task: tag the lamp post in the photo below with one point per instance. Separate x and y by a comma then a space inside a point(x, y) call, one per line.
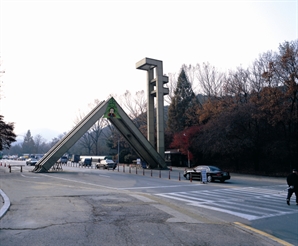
point(118, 152)
point(188, 162)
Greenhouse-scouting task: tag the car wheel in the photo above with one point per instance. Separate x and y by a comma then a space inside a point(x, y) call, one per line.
point(187, 176)
point(209, 179)
point(222, 180)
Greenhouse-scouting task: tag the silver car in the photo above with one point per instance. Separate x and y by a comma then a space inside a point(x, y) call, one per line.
point(106, 164)
point(31, 162)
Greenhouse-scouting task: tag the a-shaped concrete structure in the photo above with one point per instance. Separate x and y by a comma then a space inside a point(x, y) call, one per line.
point(116, 115)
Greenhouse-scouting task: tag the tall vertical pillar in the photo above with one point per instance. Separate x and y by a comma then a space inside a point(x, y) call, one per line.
point(155, 89)
point(150, 109)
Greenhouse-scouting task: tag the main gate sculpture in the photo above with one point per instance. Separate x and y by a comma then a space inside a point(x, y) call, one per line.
point(116, 115)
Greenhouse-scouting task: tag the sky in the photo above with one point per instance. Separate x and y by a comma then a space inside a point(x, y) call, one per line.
point(59, 56)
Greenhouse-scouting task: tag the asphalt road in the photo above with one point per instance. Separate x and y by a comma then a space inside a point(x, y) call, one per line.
point(84, 206)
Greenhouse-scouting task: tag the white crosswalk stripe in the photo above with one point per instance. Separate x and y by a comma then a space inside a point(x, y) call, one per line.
point(250, 203)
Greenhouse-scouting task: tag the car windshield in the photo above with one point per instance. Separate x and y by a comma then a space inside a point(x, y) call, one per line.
point(214, 168)
point(201, 167)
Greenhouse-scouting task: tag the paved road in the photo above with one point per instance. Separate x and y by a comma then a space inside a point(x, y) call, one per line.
point(145, 209)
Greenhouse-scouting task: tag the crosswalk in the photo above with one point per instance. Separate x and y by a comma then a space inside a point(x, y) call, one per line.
point(251, 203)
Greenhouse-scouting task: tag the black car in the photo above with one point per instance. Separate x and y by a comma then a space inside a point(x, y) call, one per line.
point(63, 160)
point(85, 162)
point(213, 173)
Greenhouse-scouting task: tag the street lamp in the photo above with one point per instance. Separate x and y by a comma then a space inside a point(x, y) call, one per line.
point(118, 152)
point(188, 162)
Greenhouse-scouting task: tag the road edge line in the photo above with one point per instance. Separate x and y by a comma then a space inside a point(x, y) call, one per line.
point(282, 242)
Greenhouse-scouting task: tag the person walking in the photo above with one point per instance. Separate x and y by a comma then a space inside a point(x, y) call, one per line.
point(292, 181)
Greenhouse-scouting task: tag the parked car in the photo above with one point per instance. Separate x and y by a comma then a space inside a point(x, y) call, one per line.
point(31, 161)
point(21, 158)
point(213, 173)
point(106, 164)
point(63, 160)
point(85, 162)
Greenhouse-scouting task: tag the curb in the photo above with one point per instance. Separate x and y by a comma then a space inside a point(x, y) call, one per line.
point(6, 205)
point(261, 233)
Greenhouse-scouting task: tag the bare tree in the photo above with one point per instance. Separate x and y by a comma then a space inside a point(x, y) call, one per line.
point(136, 107)
point(39, 142)
point(209, 79)
point(237, 84)
point(261, 72)
point(91, 139)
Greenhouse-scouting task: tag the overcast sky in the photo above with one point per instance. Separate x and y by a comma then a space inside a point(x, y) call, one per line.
point(59, 56)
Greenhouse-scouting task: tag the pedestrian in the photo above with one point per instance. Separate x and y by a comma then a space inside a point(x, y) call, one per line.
point(292, 181)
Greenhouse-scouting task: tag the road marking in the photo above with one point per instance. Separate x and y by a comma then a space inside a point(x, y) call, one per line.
point(80, 182)
point(25, 176)
point(109, 187)
point(106, 176)
point(250, 203)
point(154, 187)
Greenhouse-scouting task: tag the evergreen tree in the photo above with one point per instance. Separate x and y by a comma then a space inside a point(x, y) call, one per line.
point(183, 107)
point(28, 145)
point(7, 136)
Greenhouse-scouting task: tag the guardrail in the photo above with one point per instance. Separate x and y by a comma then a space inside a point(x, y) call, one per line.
point(9, 166)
